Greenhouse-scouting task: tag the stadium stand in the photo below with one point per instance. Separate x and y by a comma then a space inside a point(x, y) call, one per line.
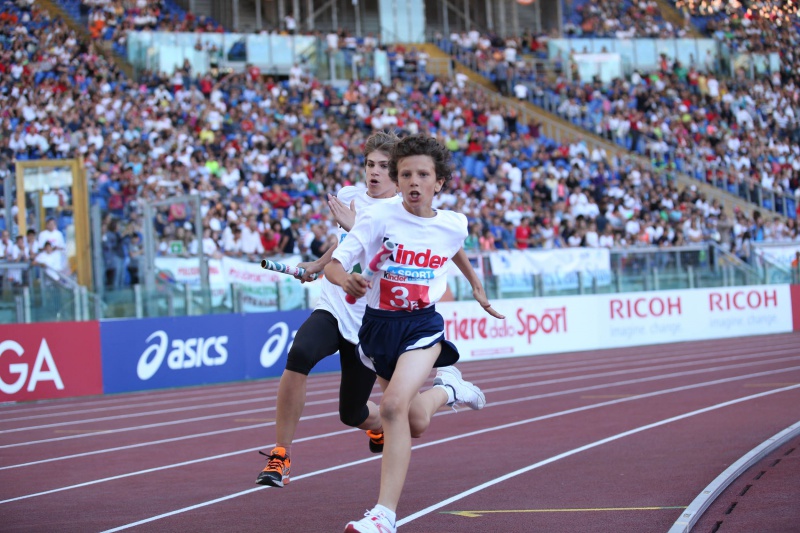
point(621, 20)
point(263, 154)
point(693, 118)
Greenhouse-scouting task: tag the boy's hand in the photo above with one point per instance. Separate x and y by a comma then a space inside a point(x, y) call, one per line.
point(341, 214)
point(480, 296)
point(312, 267)
point(355, 285)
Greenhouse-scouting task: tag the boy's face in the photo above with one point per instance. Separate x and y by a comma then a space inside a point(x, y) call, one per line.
point(379, 184)
point(417, 180)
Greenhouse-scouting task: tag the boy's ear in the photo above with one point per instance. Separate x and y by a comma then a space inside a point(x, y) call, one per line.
point(439, 184)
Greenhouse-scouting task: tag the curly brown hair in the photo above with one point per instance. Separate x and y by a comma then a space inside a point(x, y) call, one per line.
point(422, 145)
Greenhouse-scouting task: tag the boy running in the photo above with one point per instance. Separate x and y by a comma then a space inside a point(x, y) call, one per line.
point(402, 335)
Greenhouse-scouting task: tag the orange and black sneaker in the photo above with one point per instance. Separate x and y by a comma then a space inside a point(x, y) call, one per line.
point(375, 441)
point(276, 473)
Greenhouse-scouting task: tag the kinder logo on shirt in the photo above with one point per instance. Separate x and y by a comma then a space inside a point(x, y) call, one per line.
point(405, 256)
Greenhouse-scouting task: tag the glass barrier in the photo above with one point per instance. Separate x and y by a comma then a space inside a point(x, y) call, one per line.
point(272, 53)
point(643, 54)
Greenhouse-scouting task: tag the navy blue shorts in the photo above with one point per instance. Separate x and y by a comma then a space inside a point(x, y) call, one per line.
point(386, 335)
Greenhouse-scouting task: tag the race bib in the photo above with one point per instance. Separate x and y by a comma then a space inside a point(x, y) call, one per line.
point(396, 296)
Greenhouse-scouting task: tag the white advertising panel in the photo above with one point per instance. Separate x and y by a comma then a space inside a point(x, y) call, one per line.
point(536, 326)
point(532, 326)
point(695, 314)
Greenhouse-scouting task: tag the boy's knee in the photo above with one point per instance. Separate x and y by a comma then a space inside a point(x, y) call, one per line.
point(393, 408)
point(353, 417)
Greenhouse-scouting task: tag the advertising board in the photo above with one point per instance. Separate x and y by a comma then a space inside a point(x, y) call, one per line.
point(157, 353)
point(535, 326)
point(49, 360)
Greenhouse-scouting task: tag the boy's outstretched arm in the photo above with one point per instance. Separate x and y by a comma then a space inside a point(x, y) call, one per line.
point(462, 262)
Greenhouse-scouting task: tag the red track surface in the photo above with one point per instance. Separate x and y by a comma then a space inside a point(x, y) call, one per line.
point(569, 442)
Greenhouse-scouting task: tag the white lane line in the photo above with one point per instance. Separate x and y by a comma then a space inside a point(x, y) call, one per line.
point(130, 397)
point(129, 405)
point(424, 445)
point(335, 413)
point(589, 446)
point(111, 402)
point(496, 389)
point(670, 362)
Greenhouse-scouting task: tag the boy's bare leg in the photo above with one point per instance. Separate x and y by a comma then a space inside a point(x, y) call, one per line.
point(291, 401)
point(413, 368)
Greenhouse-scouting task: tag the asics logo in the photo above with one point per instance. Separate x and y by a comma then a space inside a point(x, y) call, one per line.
point(277, 344)
point(189, 353)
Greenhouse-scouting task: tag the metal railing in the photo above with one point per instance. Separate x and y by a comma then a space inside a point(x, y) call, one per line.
point(37, 294)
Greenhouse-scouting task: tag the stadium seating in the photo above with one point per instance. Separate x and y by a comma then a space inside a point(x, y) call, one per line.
point(246, 139)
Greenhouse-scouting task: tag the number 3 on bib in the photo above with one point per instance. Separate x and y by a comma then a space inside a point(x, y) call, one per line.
point(403, 296)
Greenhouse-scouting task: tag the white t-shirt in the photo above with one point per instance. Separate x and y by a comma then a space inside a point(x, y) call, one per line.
point(332, 298)
point(415, 277)
point(55, 237)
point(51, 262)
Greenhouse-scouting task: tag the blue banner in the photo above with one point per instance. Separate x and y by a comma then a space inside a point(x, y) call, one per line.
point(158, 353)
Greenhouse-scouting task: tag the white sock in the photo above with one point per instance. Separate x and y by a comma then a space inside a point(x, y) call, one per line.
point(391, 515)
point(451, 394)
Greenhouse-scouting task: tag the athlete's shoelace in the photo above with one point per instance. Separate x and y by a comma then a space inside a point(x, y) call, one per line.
point(276, 462)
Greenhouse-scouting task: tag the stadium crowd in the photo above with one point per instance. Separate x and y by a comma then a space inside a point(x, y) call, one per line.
point(621, 20)
point(263, 155)
point(731, 131)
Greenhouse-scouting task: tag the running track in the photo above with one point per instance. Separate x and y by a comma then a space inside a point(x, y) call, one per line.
point(606, 441)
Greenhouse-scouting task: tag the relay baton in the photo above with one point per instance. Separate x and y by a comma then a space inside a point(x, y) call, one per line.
point(297, 272)
point(374, 265)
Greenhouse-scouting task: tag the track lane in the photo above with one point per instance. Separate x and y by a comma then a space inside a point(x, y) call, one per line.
point(504, 394)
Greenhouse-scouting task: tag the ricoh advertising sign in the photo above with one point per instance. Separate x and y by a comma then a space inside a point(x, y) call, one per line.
point(535, 326)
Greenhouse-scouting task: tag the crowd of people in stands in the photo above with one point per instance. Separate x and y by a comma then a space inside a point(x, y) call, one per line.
point(620, 20)
point(263, 155)
point(733, 131)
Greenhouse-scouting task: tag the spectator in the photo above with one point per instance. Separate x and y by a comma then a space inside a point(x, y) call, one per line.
point(113, 255)
point(135, 253)
point(322, 242)
point(50, 260)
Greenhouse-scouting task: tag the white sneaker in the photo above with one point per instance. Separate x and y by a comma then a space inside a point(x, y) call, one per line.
point(464, 392)
point(373, 522)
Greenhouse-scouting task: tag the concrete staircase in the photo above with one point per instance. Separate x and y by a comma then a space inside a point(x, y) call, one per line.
point(103, 47)
point(440, 64)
